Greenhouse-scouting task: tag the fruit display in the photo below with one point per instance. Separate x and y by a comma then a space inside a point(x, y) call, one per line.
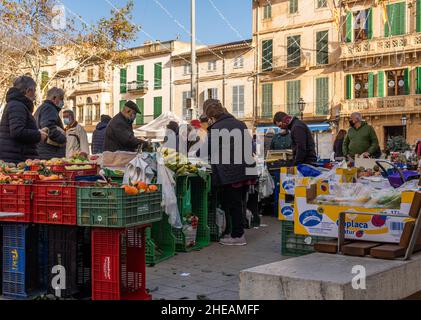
point(375, 172)
point(6, 179)
point(80, 167)
point(139, 187)
point(177, 162)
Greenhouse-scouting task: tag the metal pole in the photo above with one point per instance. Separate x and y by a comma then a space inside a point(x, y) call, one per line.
point(194, 104)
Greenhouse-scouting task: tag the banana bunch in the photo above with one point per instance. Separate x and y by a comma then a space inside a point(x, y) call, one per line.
point(177, 162)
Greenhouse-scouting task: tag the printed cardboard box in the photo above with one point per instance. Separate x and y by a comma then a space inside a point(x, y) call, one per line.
point(346, 175)
point(322, 220)
point(289, 179)
point(286, 207)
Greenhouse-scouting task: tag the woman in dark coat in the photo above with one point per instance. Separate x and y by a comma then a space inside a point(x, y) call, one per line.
point(19, 134)
point(338, 144)
point(98, 136)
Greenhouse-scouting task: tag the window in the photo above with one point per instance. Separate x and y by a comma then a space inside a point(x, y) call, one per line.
point(101, 73)
point(267, 109)
point(238, 101)
point(140, 118)
point(395, 24)
point(158, 76)
point(397, 82)
point(322, 47)
point(293, 96)
point(361, 25)
point(293, 6)
point(123, 81)
point(211, 93)
point(97, 113)
point(267, 11)
point(80, 114)
point(44, 79)
point(361, 86)
point(294, 51)
point(157, 107)
point(212, 65)
point(187, 69)
point(239, 62)
point(140, 76)
point(267, 55)
point(186, 105)
point(418, 16)
point(321, 4)
point(322, 96)
point(90, 74)
point(89, 106)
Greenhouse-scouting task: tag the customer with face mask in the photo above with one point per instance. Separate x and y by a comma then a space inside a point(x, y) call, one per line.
point(77, 139)
point(19, 134)
point(48, 116)
point(119, 135)
point(361, 139)
point(281, 141)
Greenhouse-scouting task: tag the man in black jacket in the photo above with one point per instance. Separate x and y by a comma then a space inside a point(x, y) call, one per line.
point(98, 136)
point(119, 135)
point(303, 145)
point(48, 116)
point(229, 137)
point(19, 134)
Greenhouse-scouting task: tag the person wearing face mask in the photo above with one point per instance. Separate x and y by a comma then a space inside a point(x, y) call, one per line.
point(19, 134)
point(281, 141)
point(77, 138)
point(361, 139)
point(48, 116)
point(119, 135)
point(302, 141)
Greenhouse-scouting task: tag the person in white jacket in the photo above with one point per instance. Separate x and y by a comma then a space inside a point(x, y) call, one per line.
point(77, 138)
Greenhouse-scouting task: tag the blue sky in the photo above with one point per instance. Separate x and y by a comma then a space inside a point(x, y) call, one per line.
point(211, 28)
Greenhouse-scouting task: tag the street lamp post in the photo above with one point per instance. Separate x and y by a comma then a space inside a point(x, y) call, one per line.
point(301, 106)
point(404, 122)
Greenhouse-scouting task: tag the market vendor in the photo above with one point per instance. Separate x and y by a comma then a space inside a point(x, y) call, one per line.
point(361, 139)
point(281, 141)
point(303, 146)
point(119, 135)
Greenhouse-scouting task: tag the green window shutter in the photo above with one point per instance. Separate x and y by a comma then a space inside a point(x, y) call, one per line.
point(406, 75)
point(123, 81)
point(140, 76)
point(293, 96)
point(322, 47)
point(122, 103)
point(157, 107)
point(322, 96)
point(267, 111)
point(140, 118)
point(158, 75)
point(371, 85)
point(348, 88)
point(44, 79)
point(348, 33)
point(293, 6)
point(380, 84)
point(396, 24)
point(418, 14)
point(370, 23)
point(418, 80)
point(402, 18)
point(267, 52)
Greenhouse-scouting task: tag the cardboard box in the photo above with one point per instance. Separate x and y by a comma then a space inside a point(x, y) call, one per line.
point(346, 175)
point(286, 207)
point(289, 179)
point(322, 220)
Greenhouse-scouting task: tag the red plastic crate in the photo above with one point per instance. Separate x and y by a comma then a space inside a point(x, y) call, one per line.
point(119, 264)
point(55, 203)
point(72, 174)
point(16, 199)
point(25, 176)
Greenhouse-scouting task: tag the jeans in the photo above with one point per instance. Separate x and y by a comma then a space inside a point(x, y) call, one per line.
point(234, 204)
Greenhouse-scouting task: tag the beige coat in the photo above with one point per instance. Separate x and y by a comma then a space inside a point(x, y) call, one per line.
point(77, 141)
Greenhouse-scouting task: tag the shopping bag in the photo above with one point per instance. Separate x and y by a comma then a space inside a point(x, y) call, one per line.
point(366, 163)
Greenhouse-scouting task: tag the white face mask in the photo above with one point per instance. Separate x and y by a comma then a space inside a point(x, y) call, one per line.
point(61, 104)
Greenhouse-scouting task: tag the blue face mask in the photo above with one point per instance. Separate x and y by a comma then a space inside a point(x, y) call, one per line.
point(66, 121)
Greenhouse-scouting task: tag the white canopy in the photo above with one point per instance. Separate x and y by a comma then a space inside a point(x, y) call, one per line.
point(157, 127)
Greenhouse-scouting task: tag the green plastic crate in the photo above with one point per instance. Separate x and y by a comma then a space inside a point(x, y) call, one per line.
point(197, 189)
point(113, 208)
point(297, 245)
point(160, 242)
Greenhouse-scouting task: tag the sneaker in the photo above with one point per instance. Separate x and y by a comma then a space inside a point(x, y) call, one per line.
point(233, 241)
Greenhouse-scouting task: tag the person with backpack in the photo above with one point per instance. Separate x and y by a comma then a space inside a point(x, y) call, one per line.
point(77, 138)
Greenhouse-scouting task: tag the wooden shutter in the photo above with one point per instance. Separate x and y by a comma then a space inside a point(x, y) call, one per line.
point(44, 79)
point(322, 96)
point(407, 80)
point(348, 86)
point(293, 96)
point(158, 75)
point(140, 118)
point(123, 81)
point(267, 50)
point(371, 85)
point(157, 107)
point(140, 75)
point(402, 18)
point(348, 32)
point(418, 80)
point(293, 6)
point(322, 47)
point(380, 84)
point(418, 15)
point(267, 100)
point(396, 24)
point(122, 103)
point(370, 23)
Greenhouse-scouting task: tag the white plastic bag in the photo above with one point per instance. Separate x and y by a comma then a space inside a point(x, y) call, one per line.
point(266, 185)
point(221, 221)
point(139, 170)
point(166, 180)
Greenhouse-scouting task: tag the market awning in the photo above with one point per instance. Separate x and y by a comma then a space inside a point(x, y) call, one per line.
point(319, 127)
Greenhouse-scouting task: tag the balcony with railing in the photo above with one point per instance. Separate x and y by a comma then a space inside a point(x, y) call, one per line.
point(93, 86)
point(389, 105)
point(291, 64)
point(138, 87)
point(381, 46)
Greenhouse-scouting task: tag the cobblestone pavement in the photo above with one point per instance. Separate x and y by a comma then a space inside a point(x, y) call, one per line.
point(212, 273)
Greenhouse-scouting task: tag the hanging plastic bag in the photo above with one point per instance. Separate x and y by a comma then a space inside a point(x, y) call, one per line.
point(221, 221)
point(139, 170)
point(266, 185)
point(166, 180)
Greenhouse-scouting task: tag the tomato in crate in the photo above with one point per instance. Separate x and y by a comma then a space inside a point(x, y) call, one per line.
point(16, 199)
